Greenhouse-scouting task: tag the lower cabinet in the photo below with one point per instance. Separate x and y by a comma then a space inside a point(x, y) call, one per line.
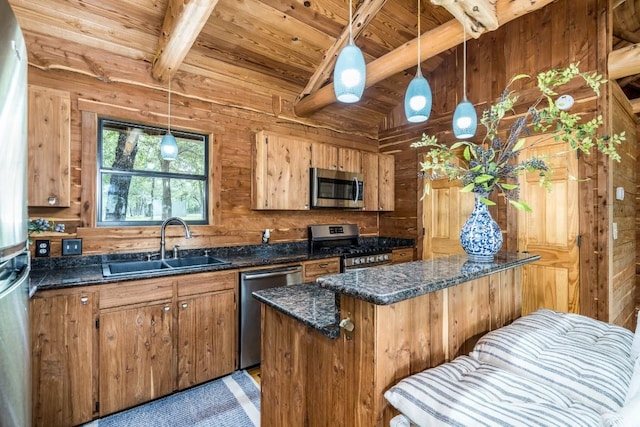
point(401, 255)
point(207, 319)
point(321, 267)
point(119, 345)
point(136, 356)
point(63, 347)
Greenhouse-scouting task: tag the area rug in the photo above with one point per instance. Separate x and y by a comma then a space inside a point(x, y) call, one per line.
point(232, 401)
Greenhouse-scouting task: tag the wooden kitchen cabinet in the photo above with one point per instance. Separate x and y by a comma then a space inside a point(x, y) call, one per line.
point(49, 134)
point(378, 173)
point(311, 270)
point(401, 255)
point(280, 172)
point(63, 357)
point(137, 350)
point(386, 182)
point(207, 325)
point(326, 156)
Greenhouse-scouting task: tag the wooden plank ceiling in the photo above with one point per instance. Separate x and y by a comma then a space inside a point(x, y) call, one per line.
point(286, 46)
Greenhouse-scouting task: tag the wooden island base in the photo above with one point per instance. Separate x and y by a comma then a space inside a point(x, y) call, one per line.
point(311, 380)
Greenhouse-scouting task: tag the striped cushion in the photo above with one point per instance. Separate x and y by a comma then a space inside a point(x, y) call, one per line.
point(466, 392)
point(585, 359)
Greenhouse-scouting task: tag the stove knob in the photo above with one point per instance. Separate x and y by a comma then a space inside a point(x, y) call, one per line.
point(371, 259)
point(356, 261)
point(386, 257)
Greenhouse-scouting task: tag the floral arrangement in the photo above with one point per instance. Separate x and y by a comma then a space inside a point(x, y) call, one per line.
point(39, 225)
point(497, 161)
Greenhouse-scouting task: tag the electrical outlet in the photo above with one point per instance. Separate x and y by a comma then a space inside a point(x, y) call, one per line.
point(43, 248)
point(71, 246)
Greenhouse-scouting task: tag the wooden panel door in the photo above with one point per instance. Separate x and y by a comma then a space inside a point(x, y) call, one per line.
point(445, 211)
point(206, 337)
point(136, 356)
point(349, 160)
point(386, 182)
point(280, 173)
point(370, 177)
point(324, 156)
point(49, 147)
point(62, 358)
point(551, 231)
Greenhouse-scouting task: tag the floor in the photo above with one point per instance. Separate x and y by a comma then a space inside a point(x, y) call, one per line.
point(255, 373)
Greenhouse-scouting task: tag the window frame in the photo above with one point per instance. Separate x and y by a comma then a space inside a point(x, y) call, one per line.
point(100, 171)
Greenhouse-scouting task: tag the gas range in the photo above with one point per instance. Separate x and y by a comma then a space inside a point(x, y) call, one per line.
point(342, 240)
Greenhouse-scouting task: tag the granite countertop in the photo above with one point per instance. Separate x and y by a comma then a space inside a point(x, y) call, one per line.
point(317, 304)
point(62, 272)
point(312, 305)
point(394, 283)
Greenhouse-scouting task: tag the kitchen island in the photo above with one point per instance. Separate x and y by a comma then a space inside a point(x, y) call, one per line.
point(403, 318)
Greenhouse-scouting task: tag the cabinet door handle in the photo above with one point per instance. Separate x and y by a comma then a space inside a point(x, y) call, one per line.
point(166, 308)
point(52, 200)
point(323, 265)
point(84, 300)
point(184, 306)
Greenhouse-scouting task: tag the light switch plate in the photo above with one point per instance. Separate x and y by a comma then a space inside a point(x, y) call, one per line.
point(71, 247)
point(619, 193)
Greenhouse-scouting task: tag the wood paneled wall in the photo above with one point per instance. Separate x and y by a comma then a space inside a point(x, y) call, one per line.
point(624, 213)
point(562, 33)
point(232, 130)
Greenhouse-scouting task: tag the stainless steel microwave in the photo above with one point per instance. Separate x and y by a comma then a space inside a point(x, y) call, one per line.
point(336, 189)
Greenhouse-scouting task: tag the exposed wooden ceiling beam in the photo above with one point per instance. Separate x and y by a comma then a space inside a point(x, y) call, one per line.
point(182, 24)
point(477, 16)
point(624, 62)
point(433, 42)
point(635, 105)
point(361, 19)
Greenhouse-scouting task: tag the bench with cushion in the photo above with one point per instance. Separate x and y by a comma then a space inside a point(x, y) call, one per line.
point(545, 369)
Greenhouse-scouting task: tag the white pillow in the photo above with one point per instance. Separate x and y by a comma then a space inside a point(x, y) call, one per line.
point(633, 393)
point(635, 345)
point(629, 414)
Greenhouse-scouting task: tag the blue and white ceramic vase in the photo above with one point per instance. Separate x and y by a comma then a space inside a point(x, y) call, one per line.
point(480, 236)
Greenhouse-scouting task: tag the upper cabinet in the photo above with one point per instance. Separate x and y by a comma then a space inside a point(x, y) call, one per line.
point(49, 147)
point(378, 172)
point(386, 182)
point(280, 172)
point(327, 156)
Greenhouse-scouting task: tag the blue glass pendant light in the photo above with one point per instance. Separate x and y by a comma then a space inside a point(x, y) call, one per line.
point(417, 98)
point(168, 145)
point(349, 74)
point(465, 118)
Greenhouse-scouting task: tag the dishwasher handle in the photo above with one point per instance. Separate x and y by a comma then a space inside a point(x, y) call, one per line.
point(272, 273)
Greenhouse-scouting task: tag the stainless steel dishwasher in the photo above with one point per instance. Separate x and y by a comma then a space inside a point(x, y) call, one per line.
point(251, 281)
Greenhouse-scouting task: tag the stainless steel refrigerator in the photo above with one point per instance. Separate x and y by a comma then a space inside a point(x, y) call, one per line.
point(15, 381)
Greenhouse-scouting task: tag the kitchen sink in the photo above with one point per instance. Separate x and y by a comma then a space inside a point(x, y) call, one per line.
point(137, 267)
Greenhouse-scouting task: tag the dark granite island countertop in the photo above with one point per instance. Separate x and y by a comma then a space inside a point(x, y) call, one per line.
point(399, 282)
point(307, 302)
point(316, 305)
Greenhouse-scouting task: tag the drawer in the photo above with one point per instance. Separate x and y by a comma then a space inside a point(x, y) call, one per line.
point(321, 267)
point(194, 284)
point(402, 255)
point(136, 292)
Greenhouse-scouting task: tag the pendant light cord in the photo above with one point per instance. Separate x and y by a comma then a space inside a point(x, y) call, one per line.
point(419, 36)
point(350, 22)
point(464, 62)
point(169, 108)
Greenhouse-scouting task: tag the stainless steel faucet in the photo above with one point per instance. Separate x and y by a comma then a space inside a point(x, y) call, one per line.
point(163, 227)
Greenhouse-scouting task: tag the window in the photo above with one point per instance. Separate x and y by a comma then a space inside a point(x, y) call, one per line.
point(137, 187)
